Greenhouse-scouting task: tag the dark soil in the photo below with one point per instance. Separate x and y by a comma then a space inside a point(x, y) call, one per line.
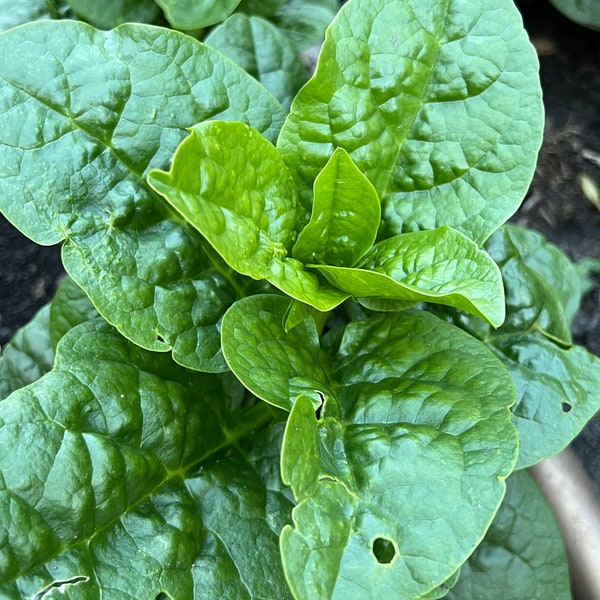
point(556, 204)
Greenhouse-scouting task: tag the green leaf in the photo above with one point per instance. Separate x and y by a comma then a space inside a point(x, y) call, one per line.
point(584, 12)
point(557, 392)
point(122, 471)
point(28, 355)
point(543, 287)
point(345, 216)
point(261, 8)
point(111, 14)
point(16, 13)
point(231, 184)
point(84, 115)
point(304, 21)
point(273, 364)
point(69, 307)
point(263, 51)
point(407, 407)
point(522, 555)
point(196, 14)
point(447, 116)
point(441, 266)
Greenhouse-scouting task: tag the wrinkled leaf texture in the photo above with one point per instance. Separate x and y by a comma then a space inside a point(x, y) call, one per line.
point(84, 115)
point(126, 473)
point(438, 103)
point(407, 407)
point(522, 554)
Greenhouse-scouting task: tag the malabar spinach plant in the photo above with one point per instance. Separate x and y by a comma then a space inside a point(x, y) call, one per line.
point(299, 352)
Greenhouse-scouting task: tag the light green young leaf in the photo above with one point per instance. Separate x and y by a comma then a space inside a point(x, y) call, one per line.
point(28, 355)
point(522, 554)
point(231, 184)
point(441, 266)
point(84, 115)
point(446, 116)
point(557, 392)
point(111, 14)
point(263, 51)
point(345, 216)
point(196, 14)
point(408, 406)
point(117, 474)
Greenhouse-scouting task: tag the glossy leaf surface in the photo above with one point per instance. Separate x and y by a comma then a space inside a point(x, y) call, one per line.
point(262, 50)
point(120, 453)
point(345, 216)
point(446, 119)
point(196, 14)
point(84, 115)
point(522, 554)
point(231, 184)
point(403, 413)
point(441, 266)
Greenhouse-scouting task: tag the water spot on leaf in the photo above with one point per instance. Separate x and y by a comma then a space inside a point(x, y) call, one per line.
point(384, 550)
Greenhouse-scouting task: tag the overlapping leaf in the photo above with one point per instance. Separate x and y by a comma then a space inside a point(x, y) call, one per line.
point(231, 184)
point(402, 414)
point(445, 118)
point(441, 266)
point(116, 12)
point(196, 14)
point(556, 384)
point(263, 51)
point(119, 453)
point(84, 115)
point(522, 554)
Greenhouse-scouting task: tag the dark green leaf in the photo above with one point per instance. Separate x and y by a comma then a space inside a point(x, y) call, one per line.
point(231, 184)
point(196, 14)
point(345, 216)
point(304, 21)
point(120, 478)
point(273, 364)
point(446, 116)
point(28, 355)
point(522, 555)
point(69, 307)
point(543, 287)
point(557, 392)
point(107, 15)
point(84, 116)
point(263, 51)
point(407, 407)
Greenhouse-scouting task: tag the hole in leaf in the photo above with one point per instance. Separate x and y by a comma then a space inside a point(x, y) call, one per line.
point(566, 407)
point(384, 551)
point(163, 596)
point(320, 407)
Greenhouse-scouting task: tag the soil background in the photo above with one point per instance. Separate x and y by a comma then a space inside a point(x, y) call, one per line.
point(561, 202)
